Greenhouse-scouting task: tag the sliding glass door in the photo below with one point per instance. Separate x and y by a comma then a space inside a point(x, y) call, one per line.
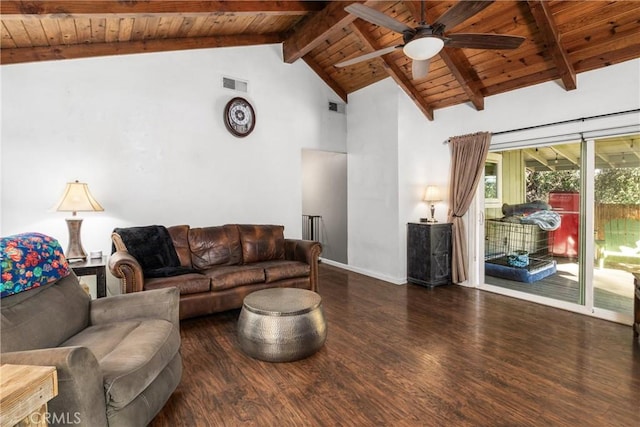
point(562, 224)
point(616, 209)
point(531, 231)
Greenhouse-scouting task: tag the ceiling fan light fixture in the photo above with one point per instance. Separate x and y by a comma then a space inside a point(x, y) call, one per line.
point(423, 47)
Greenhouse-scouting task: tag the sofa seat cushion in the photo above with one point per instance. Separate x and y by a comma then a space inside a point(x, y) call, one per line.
point(192, 283)
point(284, 269)
point(230, 276)
point(131, 354)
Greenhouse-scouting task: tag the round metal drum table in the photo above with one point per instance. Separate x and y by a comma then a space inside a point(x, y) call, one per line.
point(281, 324)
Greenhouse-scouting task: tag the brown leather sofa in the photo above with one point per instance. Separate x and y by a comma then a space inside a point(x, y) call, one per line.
point(229, 262)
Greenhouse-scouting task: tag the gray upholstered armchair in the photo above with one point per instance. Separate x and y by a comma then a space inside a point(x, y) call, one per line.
point(117, 358)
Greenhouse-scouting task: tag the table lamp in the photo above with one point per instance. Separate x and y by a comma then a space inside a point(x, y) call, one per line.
point(431, 195)
point(76, 198)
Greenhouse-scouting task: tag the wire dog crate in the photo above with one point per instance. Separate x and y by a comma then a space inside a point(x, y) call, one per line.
point(521, 252)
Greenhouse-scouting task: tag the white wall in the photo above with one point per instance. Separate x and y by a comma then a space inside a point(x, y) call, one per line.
point(372, 148)
point(146, 133)
point(423, 159)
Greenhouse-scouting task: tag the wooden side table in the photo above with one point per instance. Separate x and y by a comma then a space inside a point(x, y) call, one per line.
point(24, 393)
point(93, 267)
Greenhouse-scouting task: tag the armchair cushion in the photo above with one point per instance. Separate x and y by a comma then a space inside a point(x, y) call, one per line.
point(33, 319)
point(131, 355)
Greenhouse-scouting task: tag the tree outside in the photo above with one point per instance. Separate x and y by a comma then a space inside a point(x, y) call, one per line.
point(612, 186)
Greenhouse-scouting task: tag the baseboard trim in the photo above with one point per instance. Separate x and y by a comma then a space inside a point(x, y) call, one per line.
point(393, 280)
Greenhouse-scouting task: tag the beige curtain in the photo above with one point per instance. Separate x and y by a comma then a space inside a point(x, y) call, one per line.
point(468, 154)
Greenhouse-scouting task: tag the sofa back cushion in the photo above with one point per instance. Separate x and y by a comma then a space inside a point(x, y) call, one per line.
point(261, 242)
point(212, 246)
point(180, 236)
point(44, 317)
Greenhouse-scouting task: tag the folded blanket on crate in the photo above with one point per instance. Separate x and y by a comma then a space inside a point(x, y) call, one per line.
point(546, 220)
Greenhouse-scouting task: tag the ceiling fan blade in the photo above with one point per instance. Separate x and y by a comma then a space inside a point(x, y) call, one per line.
point(377, 18)
point(483, 41)
point(420, 68)
point(367, 56)
point(460, 12)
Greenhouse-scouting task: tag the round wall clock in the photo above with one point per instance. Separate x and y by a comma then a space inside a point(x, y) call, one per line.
point(239, 117)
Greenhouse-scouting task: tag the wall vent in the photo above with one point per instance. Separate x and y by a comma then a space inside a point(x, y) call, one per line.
point(234, 84)
point(337, 107)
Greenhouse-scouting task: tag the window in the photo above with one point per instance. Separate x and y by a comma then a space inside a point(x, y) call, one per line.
point(493, 181)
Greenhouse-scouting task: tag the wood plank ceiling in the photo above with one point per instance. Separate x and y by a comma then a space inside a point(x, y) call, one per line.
point(562, 39)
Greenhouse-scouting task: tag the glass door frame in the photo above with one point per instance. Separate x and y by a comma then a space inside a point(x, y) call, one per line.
point(475, 227)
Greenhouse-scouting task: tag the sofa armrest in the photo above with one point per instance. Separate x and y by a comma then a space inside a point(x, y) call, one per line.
point(307, 251)
point(126, 268)
point(153, 304)
point(80, 398)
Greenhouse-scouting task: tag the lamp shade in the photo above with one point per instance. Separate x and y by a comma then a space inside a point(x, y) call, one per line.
point(432, 194)
point(77, 198)
point(423, 48)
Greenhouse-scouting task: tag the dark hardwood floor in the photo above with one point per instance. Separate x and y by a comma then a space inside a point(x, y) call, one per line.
point(414, 356)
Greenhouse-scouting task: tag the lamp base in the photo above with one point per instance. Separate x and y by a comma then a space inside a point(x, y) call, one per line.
point(431, 220)
point(75, 250)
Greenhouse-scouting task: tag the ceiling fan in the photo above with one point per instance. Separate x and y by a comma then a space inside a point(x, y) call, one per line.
point(425, 41)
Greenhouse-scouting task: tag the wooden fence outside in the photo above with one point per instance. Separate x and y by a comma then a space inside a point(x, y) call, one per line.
point(623, 220)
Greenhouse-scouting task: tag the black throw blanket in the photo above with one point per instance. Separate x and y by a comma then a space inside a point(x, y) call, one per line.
point(153, 248)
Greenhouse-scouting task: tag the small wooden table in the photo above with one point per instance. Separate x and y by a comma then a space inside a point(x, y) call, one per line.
point(93, 267)
point(24, 393)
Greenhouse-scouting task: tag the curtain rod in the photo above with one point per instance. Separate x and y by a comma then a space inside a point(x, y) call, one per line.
point(581, 119)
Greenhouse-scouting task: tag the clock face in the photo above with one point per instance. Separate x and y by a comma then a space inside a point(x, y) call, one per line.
point(239, 117)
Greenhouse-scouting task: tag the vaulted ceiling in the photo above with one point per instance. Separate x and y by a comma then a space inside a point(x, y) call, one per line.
point(562, 39)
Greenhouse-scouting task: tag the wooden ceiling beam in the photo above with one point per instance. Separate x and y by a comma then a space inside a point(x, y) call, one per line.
point(86, 50)
point(551, 38)
point(455, 60)
point(314, 30)
point(326, 77)
point(394, 71)
point(464, 74)
point(103, 8)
